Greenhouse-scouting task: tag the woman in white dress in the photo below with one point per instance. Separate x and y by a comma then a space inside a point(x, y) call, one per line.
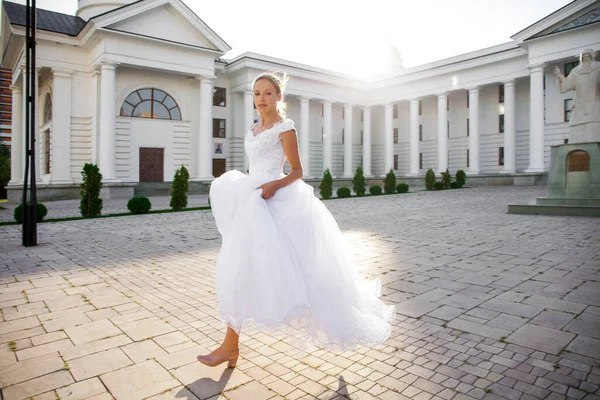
point(283, 262)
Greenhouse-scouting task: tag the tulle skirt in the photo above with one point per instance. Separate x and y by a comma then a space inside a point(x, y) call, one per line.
point(284, 265)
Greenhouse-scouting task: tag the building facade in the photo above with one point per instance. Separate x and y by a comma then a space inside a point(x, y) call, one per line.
point(141, 88)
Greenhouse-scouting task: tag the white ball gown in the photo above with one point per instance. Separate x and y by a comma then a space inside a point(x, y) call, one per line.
point(284, 263)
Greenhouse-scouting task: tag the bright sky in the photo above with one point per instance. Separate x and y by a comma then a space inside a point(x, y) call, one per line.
point(346, 36)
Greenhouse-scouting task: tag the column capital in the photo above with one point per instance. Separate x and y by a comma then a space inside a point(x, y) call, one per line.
point(206, 79)
point(65, 73)
point(304, 99)
point(472, 89)
point(366, 108)
point(443, 94)
point(348, 105)
point(326, 102)
point(536, 67)
point(389, 105)
point(414, 99)
point(108, 65)
point(15, 89)
point(509, 82)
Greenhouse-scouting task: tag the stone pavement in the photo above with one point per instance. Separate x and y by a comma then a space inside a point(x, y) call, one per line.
point(490, 305)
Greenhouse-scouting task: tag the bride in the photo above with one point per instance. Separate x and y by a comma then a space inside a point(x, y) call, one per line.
point(283, 263)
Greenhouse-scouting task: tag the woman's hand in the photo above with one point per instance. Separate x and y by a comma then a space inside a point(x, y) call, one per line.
point(269, 189)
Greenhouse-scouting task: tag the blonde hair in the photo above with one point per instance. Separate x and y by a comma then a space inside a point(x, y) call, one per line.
point(279, 81)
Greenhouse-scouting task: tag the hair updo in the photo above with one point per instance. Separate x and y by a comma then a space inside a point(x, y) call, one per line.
point(279, 81)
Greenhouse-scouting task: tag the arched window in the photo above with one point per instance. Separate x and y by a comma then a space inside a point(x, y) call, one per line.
point(150, 103)
point(48, 109)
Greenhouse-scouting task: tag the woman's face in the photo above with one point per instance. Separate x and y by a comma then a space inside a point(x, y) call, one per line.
point(265, 96)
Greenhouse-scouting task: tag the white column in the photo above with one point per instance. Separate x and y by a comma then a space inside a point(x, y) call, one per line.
point(510, 155)
point(366, 147)
point(108, 121)
point(474, 131)
point(205, 140)
point(327, 139)
point(388, 158)
point(94, 96)
point(536, 119)
point(61, 128)
point(305, 135)
point(17, 138)
point(442, 132)
point(348, 135)
point(35, 127)
point(248, 120)
point(414, 137)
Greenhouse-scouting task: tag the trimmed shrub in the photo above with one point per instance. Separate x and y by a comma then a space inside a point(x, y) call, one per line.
point(139, 205)
point(446, 179)
point(42, 211)
point(91, 203)
point(438, 186)
point(179, 189)
point(389, 182)
point(343, 192)
point(402, 188)
point(375, 190)
point(461, 177)
point(326, 186)
point(359, 185)
point(429, 179)
point(454, 185)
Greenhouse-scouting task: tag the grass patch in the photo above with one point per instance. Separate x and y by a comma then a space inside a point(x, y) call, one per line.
point(127, 214)
point(13, 346)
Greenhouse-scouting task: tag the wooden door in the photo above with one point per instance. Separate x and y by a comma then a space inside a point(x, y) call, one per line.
point(151, 164)
point(218, 167)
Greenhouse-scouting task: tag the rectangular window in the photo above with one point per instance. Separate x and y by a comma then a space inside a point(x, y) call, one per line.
point(395, 135)
point(448, 129)
point(467, 99)
point(501, 94)
point(448, 103)
point(218, 128)
point(343, 113)
point(362, 116)
point(361, 138)
point(420, 133)
point(568, 108)
point(395, 108)
point(569, 67)
point(47, 151)
point(467, 127)
point(420, 107)
point(420, 160)
point(342, 135)
point(219, 97)
point(501, 156)
point(501, 123)
point(467, 158)
point(322, 110)
point(395, 161)
point(566, 141)
point(322, 134)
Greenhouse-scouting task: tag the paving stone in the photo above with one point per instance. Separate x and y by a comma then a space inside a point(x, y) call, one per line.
point(92, 331)
point(541, 338)
point(139, 381)
point(415, 308)
point(509, 307)
point(553, 319)
point(585, 345)
point(98, 364)
point(146, 328)
point(29, 369)
point(446, 313)
point(18, 325)
point(508, 322)
point(479, 329)
point(26, 390)
point(81, 390)
point(584, 327)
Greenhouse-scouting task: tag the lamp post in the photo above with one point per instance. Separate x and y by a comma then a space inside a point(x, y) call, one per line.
point(30, 208)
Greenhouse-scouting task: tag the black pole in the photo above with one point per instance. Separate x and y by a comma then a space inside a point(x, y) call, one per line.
point(30, 208)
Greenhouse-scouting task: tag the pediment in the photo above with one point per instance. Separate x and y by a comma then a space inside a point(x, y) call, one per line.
point(168, 20)
point(574, 15)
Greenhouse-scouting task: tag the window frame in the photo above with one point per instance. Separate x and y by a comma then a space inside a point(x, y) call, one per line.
point(217, 95)
point(501, 156)
point(152, 100)
point(217, 129)
point(567, 111)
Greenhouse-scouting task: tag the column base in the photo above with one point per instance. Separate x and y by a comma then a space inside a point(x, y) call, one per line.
point(202, 179)
point(61, 181)
point(414, 174)
point(472, 172)
point(533, 170)
point(508, 171)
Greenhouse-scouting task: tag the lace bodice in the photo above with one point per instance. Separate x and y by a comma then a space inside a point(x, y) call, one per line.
point(265, 151)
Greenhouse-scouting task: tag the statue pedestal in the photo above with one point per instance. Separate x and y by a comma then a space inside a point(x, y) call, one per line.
point(573, 183)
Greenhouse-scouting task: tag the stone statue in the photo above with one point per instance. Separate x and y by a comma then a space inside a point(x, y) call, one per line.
point(585, 114)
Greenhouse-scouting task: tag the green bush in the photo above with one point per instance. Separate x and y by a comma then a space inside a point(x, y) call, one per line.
point(455, 185)
point(359, 185)
point(429, 179)
point(91, 203)
point(4, 163)
point(375, 190)
point(461, 177)
point(389, 182)
point(139, 205)
point(343, 192)
point(42, 211)
point(179, 189)
point(438, 186)
point(446, 179)
point(326, 186)
point(402, 188)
